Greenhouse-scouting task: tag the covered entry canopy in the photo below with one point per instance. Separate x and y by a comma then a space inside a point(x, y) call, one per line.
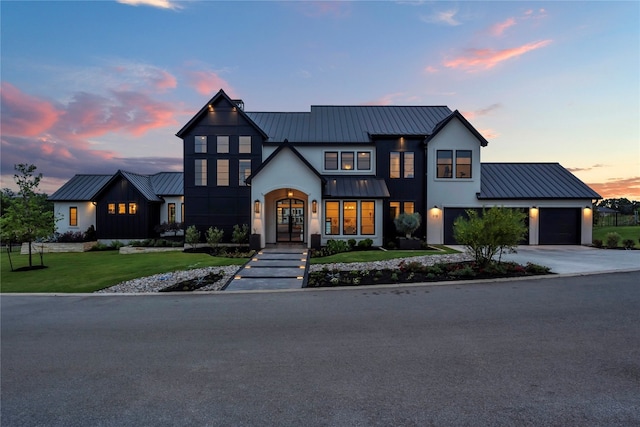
point(358, 187)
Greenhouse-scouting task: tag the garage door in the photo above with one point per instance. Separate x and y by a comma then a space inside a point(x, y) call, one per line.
point(559, 226)
point(450, 215)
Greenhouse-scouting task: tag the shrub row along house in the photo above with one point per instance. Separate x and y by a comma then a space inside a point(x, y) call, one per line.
point(335, 172)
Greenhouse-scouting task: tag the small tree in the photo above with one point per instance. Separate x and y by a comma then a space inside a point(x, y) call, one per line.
point(214, 236)
point(25, 220)
point(192, 236)
point(407, 223)
point(496, 231)
point(240, 234)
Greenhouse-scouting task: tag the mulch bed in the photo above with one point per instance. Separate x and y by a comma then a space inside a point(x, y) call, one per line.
point(415, 273)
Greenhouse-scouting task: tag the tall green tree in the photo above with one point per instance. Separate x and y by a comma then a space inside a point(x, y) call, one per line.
point(25, 220)
point(495, 231)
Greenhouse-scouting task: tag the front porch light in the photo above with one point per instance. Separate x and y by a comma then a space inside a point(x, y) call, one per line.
point(256, 206)
point(314, 206)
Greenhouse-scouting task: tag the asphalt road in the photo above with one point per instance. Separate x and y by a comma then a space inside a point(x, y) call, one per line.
point(562, 351)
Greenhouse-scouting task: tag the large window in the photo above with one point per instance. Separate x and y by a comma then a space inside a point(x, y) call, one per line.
point(222, 172)
point(394, 164)
point(111, 208)
point(332, 218)
point(201, 172)
point(73, 216)
point(222, 144)
point(396, 208)
point(200, 144)
point(350, 218)
point(463, 163)
point(244, 145)
point(331, 160)
point(364, 160)
point(349, 160)
point(122, 208)
point(346, 160)
point(172, 212)
point(133, 208)
point(244, 169)
point(367, 217)
point(444, 164)
point(409, 166)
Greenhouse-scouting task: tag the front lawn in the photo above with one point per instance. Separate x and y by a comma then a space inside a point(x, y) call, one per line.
point(626, 232)
point(91, 271)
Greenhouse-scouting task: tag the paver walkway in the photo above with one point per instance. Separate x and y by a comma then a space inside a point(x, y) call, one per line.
point(273, 268)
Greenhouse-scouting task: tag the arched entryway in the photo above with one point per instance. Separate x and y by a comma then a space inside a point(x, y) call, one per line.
point(290, 220)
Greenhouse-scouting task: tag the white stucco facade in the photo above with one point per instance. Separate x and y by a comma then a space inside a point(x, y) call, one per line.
point(86, 216)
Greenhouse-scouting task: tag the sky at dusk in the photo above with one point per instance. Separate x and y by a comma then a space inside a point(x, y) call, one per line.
point(97, 86)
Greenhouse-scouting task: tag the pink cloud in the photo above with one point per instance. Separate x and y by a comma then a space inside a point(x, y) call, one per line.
point(165, 81)
point(431, 69)
point(25, 114)
point(499, 28)
point(618, 188)
point(207, 83)
point(484, 59)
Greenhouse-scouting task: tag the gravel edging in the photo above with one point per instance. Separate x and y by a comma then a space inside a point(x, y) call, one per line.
point(392, 263)
point(160, 281)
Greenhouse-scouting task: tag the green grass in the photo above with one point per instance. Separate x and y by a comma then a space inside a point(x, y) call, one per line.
point(377, 255)
point(626, 232)
point(91, 271)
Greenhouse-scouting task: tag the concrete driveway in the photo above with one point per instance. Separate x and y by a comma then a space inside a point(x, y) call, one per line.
point(575, 259)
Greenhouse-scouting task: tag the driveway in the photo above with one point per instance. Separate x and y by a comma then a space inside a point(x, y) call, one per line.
point(575, 259)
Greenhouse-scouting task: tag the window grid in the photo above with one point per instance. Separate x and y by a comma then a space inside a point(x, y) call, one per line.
point(200, 145)
point(201, 172)
point(463, 164)
point(222, 172)
point(244, 145)
point(444, 164)
point(222, 144)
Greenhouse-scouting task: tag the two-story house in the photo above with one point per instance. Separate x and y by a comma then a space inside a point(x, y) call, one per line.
point(345, 172)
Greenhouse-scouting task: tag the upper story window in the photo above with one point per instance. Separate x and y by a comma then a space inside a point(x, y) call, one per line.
point(346, 160)
point(394, 164)
point(222, 173)
point(445, 164)
point(244, 168)
point(349, 160)
point(200, 145)
point(409, 165)
point(222, 144)
point(111, 208)
point(171, 213)
point(331, 160)
point(201, 172)
point(364, 160)
point(133, 208)
point(463, 163)
point(244, 145)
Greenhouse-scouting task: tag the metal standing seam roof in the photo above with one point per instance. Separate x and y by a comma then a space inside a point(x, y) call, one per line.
point(80, 188)
point(531, 181)
point(349, 124)
point(87, 187)
point(356, 187)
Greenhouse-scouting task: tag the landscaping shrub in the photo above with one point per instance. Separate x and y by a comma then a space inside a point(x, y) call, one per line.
point(214, 236)
point(337, 246)
point(612, 240)
point(99, 247)
point(71, 237)
point(90, 234)
point(192, 236)
point(116, 245)
point(365, 244)
point(407, 223)
point(496, 231)
point(628, 243)
point(240, 234)
point(351, 243)
point(597, 243)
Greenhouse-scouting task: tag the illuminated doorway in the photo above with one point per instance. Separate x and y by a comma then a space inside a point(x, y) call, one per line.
point(290, 220)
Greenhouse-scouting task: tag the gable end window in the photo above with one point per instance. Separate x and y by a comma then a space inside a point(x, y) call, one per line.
point(201, 172)
point(133, 208)
point(444, 164)
point(364, 160)
point(73, 216)
point(409, 166)
point(394, 164)
point(111, 208)
point(244, 169)
point(244, 145)
point(200, 145)
point(346, 160)
point(222, 176)
point(463, 164)
point(222, 144)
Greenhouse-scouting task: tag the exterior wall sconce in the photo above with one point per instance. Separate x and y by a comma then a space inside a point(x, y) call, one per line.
point(256, 206)
point(314, 206)
point(588, 207)
point(289, 193)
point(534, 207)
point(211, 108)
point(94, 203)
point(435, 207)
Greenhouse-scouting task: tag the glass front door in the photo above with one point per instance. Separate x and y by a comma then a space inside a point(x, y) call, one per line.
point(290, 220)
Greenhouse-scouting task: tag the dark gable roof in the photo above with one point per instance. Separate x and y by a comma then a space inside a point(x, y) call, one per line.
point(80, 188)
point(531, 181)
point(338, 187)
point(88, 187)
point(221, 95)
point(350, 124)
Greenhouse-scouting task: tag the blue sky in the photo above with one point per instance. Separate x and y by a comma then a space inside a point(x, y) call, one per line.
point(96, 86)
